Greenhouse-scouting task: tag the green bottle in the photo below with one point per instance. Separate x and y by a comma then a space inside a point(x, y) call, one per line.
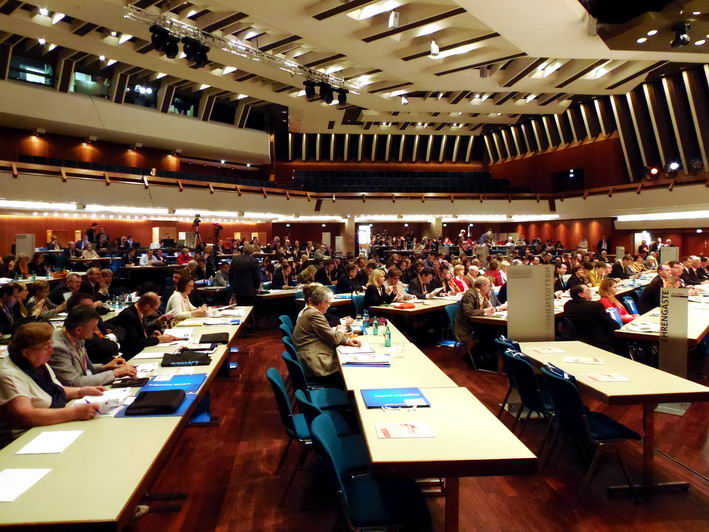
point(375, 330)
point(387, 337)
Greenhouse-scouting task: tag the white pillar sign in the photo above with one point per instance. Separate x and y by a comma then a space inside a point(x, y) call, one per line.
point(530, 299)
point(619, 252)
point(674, 309)
point(668, 253)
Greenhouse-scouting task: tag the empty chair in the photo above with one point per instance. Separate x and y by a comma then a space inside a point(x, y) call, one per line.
point(285, 319)
point(288, 331)
point(358, 302)
point(369, 502)
point(592, 432)
point(504, 344)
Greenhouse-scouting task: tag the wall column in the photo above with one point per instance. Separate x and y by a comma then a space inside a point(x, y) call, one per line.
point(347, 232)
point(435, 228)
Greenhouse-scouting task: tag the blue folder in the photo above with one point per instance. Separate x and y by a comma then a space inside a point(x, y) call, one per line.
point(394, 398)
point(189, 383)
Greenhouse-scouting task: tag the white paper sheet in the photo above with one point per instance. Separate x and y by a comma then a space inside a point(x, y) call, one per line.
point(583, 360)
point(184, 333)
point(605, 377)
point(14, 482)
point(110, 403)
point(189, 322)
point(51, 442)
point(411, 429)
point(353, 350)
point(546, 350)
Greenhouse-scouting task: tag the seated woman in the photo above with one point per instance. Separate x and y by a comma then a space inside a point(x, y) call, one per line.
point(377, 293)
point(184, 257)
point(450, 285)
point(39, 306)
point(89, 252)
point(22, 269)
point(179, 304)
point(314, 338)
point(607, 291)
point(638, 264)
point(494, 273)
point(37, 265)
point(30, 394)
point(459, 278)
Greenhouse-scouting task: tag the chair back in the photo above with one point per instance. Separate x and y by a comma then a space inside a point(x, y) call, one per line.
point(307, 407)
point(615, 314)
point(288, 344)
point(629, 304)
point(451, 312)
point(288, 331)
point(358, 302)
point(281, 395)
point(567, 330)
point(295, 370)
point(568, 407)
point(505, 343)
point(329, 447)
point(522, 374)
point(285, 320)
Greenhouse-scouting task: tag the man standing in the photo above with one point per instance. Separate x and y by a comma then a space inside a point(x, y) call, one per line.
point(92, 233)
point(245, 278)
point(603, 245)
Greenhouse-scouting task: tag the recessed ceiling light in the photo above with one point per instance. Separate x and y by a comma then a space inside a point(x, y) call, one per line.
point(41, 41)
point(651, 33)
point(43, 11)
point(641, 40)
point(696, 13)
point(699, 43)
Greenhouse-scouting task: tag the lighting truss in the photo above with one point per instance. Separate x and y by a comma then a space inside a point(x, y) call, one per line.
point(236, 46)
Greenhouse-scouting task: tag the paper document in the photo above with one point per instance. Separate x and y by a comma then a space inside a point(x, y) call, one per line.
point(221, 321)
point(606, 377)
point(145, 370)
point(235, 313)
point(192, 322)
point(411, 429)
point(546, 350)
point(353, 350)
point(183, 333)
point(583, 360)
point(14, 482)
point(51, 442)
point(375, 359)
point(109, 403)
point(642, 327)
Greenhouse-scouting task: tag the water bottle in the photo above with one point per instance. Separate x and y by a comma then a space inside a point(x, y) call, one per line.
point(387, 337)
point(34, 276)
point(375, 329)
point(365, 315)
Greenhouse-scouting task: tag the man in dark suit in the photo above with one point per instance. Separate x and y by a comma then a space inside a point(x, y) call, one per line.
point(91, 284)
point(349, 282)
point(130, 320)
point(622, 269)
point(421, 285)
point(325, 275)
point(8, 307)
point(92, 233)
point(591, 321)
point(603, 245)
point(245, 278)
point(72, 283)
point(689, 275)
point(703, 270)
point(650, 298)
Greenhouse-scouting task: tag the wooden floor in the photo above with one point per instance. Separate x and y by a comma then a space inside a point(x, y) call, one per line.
point(228, 470)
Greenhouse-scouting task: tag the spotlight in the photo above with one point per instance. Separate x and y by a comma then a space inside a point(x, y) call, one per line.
point(681, 38)
point(326, 92)
point(342, 96)
point(309, 89)
point(195, 51)
point(696, 166)
point(650, 172)
point(404, 100)
point(673, 166)
point(164, 41)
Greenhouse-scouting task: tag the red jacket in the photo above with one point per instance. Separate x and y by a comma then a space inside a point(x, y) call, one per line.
point(624, 315)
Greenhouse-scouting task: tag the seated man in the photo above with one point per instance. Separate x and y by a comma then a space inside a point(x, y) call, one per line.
point(315, 339)
point(592, 323)
point(283, 277)
point(393, 281)
point(70, 361)
point(103, 346)
point(689, 274)
point(221, 277)
point(349, 282)
point(8, 308)
point(325, 274)
point(62, 292)
point(420, 286)
point(131, 321)
point(650, 298)
point(623, 269)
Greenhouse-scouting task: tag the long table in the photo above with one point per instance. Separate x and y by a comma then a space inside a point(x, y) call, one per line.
point(697, 325)
point(420, 307)
point(84, 490)
point(647, 387)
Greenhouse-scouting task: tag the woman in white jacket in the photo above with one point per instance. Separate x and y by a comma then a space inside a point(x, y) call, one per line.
point(179, 303)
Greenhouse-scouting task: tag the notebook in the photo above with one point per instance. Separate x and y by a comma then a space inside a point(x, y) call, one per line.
point(394, 398)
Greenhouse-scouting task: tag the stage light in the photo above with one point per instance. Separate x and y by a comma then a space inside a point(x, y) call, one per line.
point(326, 92)
point(681, 37)
point(696, 166)
point(164, 41)
point(309, 89)
point(393, 19)
point(673, 166)
point(404, 100)
point(342, 96)
point(195, 51)
point(435, 49)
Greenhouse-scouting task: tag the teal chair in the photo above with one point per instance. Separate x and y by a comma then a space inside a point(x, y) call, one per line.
point(452, 312)
point(368, 502)
point(323, 398)
point(288, 344)
point(285, 320)
point(288, 331)
point(503, 343)
point(358, 302)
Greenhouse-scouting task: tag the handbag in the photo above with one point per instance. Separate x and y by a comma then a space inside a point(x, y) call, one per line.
point(156, 403)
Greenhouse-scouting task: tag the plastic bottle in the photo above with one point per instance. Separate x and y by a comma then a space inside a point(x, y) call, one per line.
point(365, 315)
point(375, 328)
point(387, 337)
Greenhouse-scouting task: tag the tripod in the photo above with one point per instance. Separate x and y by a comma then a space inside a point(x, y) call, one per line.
point(198, 244)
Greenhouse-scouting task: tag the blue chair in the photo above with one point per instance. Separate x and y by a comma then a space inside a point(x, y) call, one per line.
point(358, 302)
point(288, 344)
point(629, 304)
point(531, 392)
point(504, 344)
point(323, 398)
point(592, 432)
point(615, 314)
point(285, 320)
point(288, 331)
point(369, 502)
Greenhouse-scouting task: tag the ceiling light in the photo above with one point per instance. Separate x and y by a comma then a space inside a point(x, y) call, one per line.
point(342, 96)
point(393, 19)
point(222, 161)
point(700, 42)
point(41, 41)
point(242, 96)
point(204, 86)
point(160, 75)
point(435, 50)
point(12, 204)
point(681, 37)
point(228, 70)
point(124, 38)
point(687, 215)
point(674, 166)
point(695, 13)
point(641, 40)
point(404, 100)
point(700, 230)
point(113, 34)
point(195, 51)
point(375, 9)
point(44, 11)
point(57, 17)
point(101, 57)
point(111, 62)
point(309, 89)
point(651, 33)
point(51, 47)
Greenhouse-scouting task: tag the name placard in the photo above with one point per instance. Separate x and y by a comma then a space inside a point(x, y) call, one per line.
point(668, 253)
point(619, 252)
point(530, 298)
point(674, 308)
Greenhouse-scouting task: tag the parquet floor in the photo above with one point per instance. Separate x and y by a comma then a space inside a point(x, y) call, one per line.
point(228, 470)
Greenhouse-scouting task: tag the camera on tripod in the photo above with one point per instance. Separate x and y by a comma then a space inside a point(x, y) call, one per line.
point(196, 220)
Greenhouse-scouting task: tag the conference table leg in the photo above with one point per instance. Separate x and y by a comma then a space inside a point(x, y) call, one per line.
point(452, 503)
point(648, 486)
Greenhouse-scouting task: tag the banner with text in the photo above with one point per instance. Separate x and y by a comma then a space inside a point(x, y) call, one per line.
point(530, 299)
point(674, 309)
